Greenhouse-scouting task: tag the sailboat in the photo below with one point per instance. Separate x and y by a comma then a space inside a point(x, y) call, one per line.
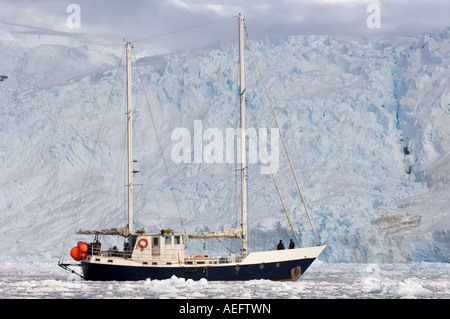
point(162, 255)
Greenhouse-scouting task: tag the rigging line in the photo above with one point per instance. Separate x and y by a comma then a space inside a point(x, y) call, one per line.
point(282, 232)
point(92, 160)
point(225, 246)
point(282, 139)
point(159, 144)
point(181, 30)
point(108, 204)
point(271, 172)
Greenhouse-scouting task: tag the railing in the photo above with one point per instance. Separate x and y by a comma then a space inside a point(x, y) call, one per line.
point(117, 253)
point(95, 250)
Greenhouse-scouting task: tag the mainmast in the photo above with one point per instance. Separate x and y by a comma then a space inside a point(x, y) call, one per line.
point(129, 140)
point(243, 137)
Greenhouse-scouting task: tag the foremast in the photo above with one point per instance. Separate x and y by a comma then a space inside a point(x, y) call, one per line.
point(128, 229)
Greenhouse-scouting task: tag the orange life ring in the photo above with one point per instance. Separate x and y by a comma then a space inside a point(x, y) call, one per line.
point(143, 243)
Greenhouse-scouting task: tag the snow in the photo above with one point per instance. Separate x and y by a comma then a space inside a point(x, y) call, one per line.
point(366, 122)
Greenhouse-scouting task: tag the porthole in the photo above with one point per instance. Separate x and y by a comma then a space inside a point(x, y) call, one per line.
point(278, 265)
point(261, 266)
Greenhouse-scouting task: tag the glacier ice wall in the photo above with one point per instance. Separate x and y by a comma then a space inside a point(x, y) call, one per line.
point(366, 122)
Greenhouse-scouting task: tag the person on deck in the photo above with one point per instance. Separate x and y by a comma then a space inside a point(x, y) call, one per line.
point(280, 245)
point(291, 244)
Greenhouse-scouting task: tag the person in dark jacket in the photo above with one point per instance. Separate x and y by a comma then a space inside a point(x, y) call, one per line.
point(280, 245)
point(291, 244)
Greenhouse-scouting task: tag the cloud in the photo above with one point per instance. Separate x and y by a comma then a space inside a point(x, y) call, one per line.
point(139, 19)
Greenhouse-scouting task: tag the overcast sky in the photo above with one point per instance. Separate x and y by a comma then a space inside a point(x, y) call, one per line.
point(141, 19)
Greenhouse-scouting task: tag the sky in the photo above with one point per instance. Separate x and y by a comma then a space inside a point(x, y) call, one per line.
point(136, 20)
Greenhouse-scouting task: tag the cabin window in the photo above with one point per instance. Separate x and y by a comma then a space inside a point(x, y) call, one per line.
point(155, 241)
point(168, 240)
point(177, 240)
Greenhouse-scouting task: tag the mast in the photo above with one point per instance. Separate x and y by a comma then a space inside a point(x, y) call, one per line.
point(243, 137)
point(129, 140)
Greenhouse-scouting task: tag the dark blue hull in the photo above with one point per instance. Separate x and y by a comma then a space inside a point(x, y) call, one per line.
point(284, 270)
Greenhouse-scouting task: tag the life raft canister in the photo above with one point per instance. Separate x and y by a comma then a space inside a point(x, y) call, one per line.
point(143, 243)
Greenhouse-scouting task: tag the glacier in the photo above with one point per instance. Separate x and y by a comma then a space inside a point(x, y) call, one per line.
point(366, 121)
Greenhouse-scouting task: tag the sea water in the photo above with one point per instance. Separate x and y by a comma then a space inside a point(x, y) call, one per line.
point(45, 280)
